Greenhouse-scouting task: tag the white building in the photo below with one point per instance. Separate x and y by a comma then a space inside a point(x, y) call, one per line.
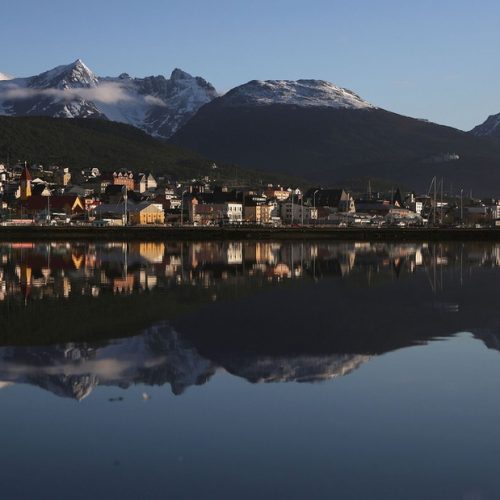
point(293, 213)
point(233, 212)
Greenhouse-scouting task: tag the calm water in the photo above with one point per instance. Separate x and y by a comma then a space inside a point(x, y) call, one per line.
point(250, 371)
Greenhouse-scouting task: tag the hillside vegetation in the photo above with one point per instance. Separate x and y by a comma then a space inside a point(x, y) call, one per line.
point(80, 143)
point(343, 147)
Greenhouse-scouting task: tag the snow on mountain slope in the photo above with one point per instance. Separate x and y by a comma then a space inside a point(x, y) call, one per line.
point(491, 127)
point(158, 105)
point(155, 104)
point(4, 77)
point(303, 93)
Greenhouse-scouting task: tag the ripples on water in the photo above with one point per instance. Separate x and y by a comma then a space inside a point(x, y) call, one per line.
point(104, 323)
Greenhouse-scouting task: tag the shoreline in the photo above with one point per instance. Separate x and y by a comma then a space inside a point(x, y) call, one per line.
point(156, 233)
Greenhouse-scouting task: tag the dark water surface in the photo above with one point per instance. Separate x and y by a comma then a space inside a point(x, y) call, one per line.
point(244, 370)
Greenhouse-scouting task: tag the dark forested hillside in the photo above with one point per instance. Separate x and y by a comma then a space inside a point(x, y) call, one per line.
point(340, 147)
point(79, 143)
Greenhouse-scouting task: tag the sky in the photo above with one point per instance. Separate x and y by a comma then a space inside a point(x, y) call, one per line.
point(428, 59)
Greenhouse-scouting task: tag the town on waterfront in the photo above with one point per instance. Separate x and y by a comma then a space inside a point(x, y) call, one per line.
point(55, 195)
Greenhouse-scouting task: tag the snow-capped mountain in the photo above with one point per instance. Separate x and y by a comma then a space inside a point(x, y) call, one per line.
point(315, 130)
point(491, 127)
point(155, 104)
point(305, 93)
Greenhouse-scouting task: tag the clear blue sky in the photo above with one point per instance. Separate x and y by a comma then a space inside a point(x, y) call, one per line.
point(429, 59)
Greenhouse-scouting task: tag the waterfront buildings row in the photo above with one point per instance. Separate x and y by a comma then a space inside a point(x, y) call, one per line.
point(35, 195)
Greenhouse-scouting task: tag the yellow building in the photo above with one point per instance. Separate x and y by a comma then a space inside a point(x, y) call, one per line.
point(146, 213)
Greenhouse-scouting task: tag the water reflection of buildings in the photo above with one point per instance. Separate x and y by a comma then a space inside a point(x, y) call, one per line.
point(57, 270)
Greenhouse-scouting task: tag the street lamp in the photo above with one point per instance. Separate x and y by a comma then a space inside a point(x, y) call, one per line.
point(314, 197)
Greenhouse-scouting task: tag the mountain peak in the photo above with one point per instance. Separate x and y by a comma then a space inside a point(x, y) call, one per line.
point(304, 93)
point(4, 76)
point(73, 75)
point(81, 72)
point(80, 65)
point(179, 74)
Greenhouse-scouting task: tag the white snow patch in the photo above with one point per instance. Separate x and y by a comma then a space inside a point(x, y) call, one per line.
point(305, 93)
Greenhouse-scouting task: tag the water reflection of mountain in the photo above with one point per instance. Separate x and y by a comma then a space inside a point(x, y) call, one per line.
point(158, 356)
point(161, 356)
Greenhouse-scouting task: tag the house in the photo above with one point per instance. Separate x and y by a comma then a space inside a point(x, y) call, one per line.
point(374, 206)
point(172, 201)
point(120, 178)
point(257, 210)
point(229, 212)
point(414, 204)
point(293, 213)
point(276, 192)
point(98, 184)
point(151, 183)
point(198, 187)
point(140, 183)
point(69, 205)
point(62, 176)
point(144, 182)
point(112, 214)
point(338, 199)
point(146, 213)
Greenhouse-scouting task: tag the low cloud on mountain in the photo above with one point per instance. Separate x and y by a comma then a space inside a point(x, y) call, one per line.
point(106, 93)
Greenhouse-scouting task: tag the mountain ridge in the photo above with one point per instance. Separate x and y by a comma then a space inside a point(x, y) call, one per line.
point(333, 145)
point(155, 104)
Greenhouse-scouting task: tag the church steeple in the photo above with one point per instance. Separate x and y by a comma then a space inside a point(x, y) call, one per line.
point(25, 183)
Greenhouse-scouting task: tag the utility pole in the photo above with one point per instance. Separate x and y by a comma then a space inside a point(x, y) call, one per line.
point(302, 208)
point(442, 200)
point(182, 209)
point(461, 207)
point(125, 205)
point(435, 200)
